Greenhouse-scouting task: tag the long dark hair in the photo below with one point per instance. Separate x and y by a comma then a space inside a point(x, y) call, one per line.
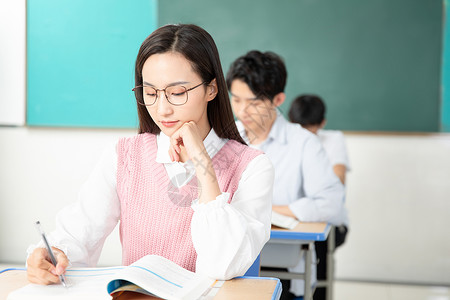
point(198, 47)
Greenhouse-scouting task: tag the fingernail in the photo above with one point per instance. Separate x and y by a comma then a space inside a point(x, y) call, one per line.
point(59, 270)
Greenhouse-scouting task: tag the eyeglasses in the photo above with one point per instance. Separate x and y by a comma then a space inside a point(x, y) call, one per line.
point(175, 95)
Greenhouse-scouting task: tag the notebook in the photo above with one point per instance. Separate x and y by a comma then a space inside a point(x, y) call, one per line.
point(152, 275)
point(283, 221)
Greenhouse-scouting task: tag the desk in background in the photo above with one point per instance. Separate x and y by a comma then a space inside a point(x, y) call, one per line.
point(241, 288)
point(287, 246)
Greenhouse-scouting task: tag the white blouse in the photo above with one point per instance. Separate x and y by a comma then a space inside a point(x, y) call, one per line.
point(226, 236)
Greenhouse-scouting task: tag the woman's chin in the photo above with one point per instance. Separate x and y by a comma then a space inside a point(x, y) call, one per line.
point(168, 131)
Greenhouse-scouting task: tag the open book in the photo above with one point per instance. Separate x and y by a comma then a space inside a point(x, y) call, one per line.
point(152, 275)
point(283, 221)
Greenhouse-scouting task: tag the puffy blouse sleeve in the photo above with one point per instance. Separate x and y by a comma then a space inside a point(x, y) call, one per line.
point(82, 227)
point(228, 237)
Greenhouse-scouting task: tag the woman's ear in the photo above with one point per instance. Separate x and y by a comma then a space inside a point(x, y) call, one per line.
point(212, 90)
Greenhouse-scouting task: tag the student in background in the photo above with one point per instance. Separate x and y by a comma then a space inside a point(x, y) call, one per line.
point(309, 111)
point(305, 186)
point(186, 187)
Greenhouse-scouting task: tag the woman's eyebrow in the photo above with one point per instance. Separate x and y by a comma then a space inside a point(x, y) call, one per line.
point(170, 84)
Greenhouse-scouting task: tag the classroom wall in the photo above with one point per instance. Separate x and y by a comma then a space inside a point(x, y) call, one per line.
point(42, 171)
point(12, 62)
point(398, 198)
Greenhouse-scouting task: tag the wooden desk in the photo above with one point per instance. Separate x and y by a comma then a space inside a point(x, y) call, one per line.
point(276, 253)
point(242, 288)
point(302, 232)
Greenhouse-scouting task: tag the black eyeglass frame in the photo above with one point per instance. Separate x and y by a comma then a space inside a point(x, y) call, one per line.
point(165, 94)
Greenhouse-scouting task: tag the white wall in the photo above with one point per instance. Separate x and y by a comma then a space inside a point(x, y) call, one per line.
point(41, 172)
point(12, 62)
point(398, 198)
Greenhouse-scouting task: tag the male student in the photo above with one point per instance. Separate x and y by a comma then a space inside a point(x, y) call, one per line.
point(305, 186)
point(309, 111)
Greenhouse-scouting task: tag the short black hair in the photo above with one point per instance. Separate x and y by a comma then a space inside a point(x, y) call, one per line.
point(307, 110)
point(264, 73)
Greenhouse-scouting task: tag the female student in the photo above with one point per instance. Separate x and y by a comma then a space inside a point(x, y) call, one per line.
point(186, 187)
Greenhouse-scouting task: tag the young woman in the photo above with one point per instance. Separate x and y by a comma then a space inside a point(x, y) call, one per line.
point(186, 187)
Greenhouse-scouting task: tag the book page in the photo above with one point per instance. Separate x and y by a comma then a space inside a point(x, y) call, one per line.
point(83, 283)
point(163, 278)
point(155, 274)
point(283, 221)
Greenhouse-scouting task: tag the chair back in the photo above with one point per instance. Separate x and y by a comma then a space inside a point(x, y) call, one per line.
point(254, 268)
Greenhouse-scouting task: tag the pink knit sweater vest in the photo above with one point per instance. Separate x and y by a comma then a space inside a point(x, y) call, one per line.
point(155, 214)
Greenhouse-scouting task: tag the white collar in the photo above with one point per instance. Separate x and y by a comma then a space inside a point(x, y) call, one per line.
point(181, 173)
point(213, 143)
point(277, 131)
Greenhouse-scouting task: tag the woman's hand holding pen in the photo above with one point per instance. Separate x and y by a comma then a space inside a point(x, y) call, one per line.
point(40, 269)
point(187, 143)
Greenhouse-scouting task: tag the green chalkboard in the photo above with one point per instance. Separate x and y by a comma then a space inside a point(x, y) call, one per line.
point(375, 63)
point(80, 61)
point(445, 107)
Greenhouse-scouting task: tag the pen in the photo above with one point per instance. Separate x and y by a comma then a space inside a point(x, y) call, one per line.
point(50, 252)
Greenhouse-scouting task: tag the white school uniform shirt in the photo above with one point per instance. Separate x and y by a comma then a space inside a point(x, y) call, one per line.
point(333, 142)
point(226, 236)
point(304, 180)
